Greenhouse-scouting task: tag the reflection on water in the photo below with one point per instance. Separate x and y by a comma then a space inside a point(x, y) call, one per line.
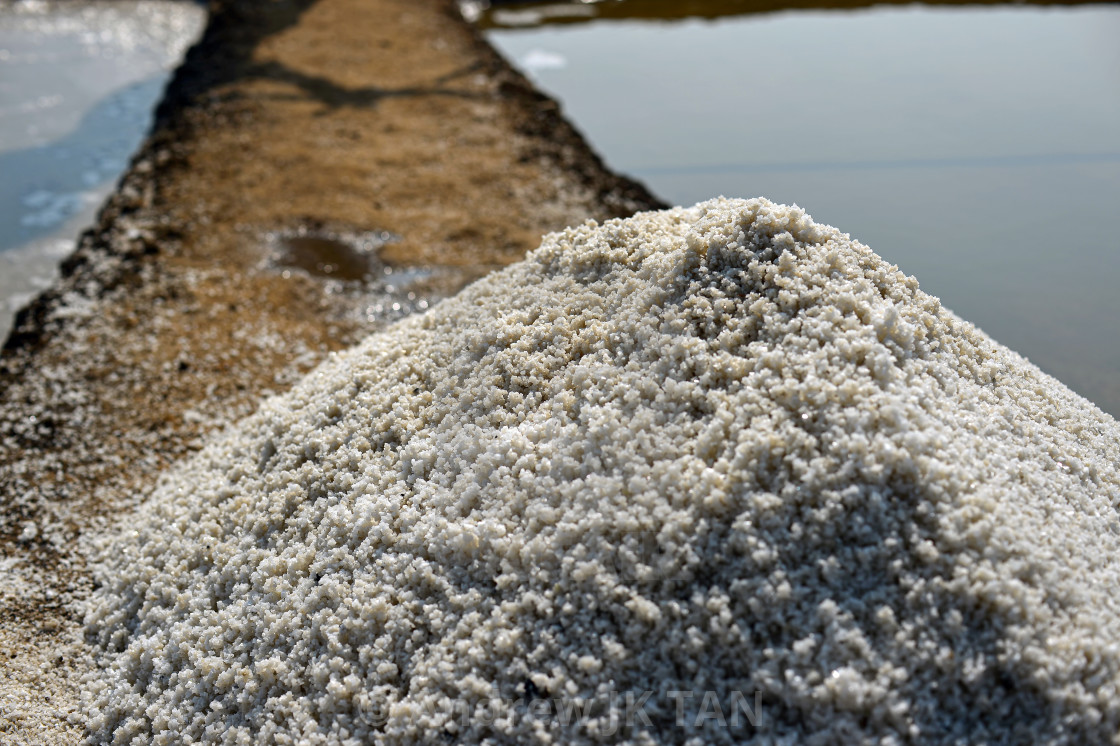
point(977, 148)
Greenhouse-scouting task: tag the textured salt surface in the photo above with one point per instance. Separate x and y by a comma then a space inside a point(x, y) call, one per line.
point(718, 449)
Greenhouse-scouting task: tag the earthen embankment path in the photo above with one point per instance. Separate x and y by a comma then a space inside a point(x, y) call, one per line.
point(336, 117)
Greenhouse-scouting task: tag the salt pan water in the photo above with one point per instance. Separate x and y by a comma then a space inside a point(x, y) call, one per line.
point(78, 85)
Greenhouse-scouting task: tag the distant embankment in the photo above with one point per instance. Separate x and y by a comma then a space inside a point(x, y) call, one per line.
point(500, 14)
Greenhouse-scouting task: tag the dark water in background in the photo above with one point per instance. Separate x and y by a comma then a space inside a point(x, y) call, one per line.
point(976, 147)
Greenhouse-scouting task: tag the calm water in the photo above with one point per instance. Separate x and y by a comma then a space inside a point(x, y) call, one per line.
point(78, 84)
point(976, 147)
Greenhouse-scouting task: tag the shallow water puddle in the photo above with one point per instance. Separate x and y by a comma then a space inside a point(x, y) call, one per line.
point(349, 265)
point(332, 256)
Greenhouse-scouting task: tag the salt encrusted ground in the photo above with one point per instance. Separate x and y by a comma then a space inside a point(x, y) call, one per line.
point(719, 449)
point(343, 117)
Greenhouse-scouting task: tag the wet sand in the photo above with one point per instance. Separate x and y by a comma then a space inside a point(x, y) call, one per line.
point(351, 121)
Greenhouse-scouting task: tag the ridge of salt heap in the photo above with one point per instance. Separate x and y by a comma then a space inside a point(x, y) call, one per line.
point(718, 449)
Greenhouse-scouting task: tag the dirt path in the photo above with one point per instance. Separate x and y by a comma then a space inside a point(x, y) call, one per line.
point(293, 127)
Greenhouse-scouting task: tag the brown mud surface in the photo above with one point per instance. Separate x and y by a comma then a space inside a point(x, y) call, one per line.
point(385, 134)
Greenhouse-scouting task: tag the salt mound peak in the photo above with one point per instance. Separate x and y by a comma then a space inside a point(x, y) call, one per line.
point(703, 475)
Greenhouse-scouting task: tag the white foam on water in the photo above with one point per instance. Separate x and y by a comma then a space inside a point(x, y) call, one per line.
point(542, 59)
point(708, 452)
